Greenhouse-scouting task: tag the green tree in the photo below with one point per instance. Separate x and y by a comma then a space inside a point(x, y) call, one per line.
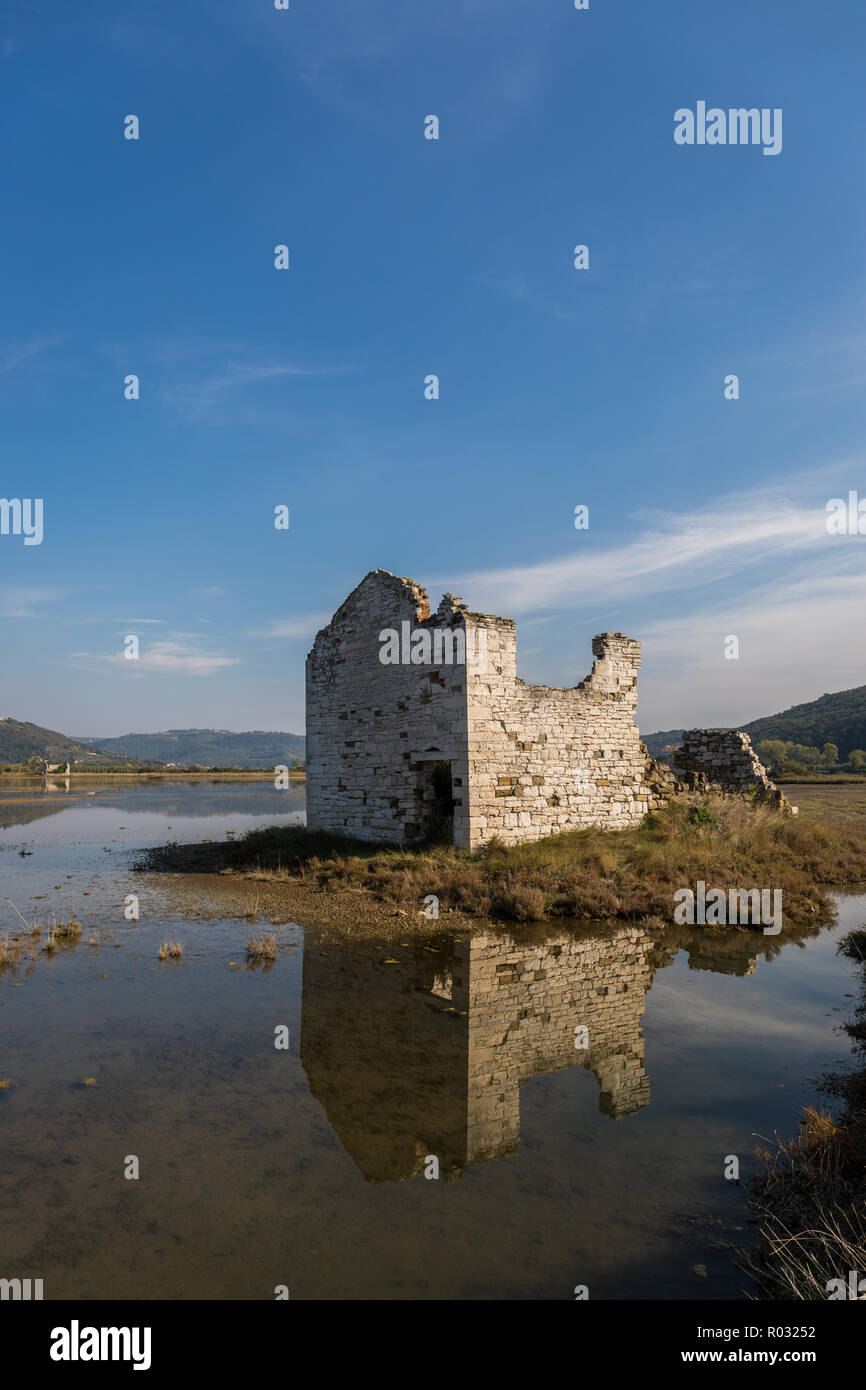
point(804, 753)
point(857, 757)
point(830, 755)
point(771, 751)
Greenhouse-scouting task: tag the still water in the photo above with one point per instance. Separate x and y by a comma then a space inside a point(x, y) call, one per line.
point(305, 1167)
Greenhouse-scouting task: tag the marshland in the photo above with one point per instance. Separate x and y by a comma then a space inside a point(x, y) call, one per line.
point(410, 1036)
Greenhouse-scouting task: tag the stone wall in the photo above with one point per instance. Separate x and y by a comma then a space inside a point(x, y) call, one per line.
point(374, 730)
point(724, 760)
point(543, 760)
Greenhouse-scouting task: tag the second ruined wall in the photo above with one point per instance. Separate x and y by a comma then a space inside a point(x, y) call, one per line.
point(543, 760)
point(725, 760)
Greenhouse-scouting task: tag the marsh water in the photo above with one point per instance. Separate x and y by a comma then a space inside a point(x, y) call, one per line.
point(559, 1164)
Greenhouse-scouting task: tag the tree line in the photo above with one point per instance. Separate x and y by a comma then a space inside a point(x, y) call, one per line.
point(784, 758)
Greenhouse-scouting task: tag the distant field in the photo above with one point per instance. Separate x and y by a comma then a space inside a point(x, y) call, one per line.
point(843, 803)
point(821, 779)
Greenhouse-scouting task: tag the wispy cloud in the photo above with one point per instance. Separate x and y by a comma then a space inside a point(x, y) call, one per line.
point(504, 65)
point(210, 394)
point(173, 350)
point(704, 277)
point(25, 602)
point(760, 567)
point(169, 656)
point(674, 550)
point(796, 642)
point(23, 352)
point(517, 288)
point(305, 625)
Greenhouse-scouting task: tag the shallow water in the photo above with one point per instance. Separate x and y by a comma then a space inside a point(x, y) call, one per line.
point(558, 1165)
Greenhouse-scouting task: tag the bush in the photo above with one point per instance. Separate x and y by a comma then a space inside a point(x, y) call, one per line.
point(518, 902)
point(854, 944)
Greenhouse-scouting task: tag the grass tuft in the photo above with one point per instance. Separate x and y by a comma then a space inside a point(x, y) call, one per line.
point(262, 947)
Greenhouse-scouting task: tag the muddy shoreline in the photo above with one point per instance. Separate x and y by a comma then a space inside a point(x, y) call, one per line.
point(346, 913)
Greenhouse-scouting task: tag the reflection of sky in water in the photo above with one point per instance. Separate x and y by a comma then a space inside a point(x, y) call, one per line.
point(117, 820)
point(303, 1168)
point(87, 815)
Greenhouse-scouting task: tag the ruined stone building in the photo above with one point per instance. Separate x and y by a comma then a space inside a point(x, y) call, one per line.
point(418, 725)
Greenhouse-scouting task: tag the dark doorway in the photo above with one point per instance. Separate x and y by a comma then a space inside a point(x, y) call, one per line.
point(436, 801)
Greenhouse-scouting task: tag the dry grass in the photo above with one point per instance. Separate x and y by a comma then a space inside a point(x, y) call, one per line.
point(68, 931)
point(33, 926)
point(584, 873)
point(10, 953)
point(809, 1201)
point(262, 947)
point(170, 950)
point(808, 1205)
point(59, 934)
point(62, 935)
point(835, 803)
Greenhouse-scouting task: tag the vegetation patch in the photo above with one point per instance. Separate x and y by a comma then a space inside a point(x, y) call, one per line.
point(725, 842)
point(262, 947)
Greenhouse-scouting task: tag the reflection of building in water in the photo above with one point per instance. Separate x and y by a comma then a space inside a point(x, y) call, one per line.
point(423, 1048)
point(52, 784)
point(525, 1002)
point(383, 1055)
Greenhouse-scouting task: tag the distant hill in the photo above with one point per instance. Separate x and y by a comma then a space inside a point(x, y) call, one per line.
point(20, 741)
point(656, 743)
point(839, 719)
point(206, 748)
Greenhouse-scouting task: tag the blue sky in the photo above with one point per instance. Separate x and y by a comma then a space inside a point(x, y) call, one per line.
point(408, 257)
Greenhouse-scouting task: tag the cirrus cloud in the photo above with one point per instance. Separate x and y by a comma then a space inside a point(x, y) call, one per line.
point(168, 656)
